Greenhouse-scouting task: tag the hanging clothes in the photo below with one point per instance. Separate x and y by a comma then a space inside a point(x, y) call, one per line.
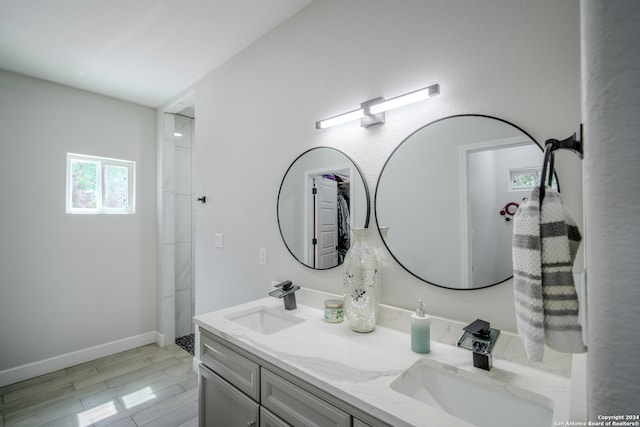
point(344, 226)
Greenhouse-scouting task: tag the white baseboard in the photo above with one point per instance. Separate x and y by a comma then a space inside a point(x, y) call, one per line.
point(41, 367)
point(159, 339)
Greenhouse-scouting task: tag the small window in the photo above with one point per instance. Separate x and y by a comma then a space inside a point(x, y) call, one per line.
point(98, 185)
point(524, 179)
point(527, 179)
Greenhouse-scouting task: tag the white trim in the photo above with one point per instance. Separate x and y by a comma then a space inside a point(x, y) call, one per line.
point(159, 339)
point(196, 350)
point(41, 367)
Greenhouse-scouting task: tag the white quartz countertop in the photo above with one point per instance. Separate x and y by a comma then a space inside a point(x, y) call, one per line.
point(358, 368)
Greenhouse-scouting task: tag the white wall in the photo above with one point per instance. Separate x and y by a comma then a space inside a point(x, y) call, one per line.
point(70, 282)
point(518, 60)
point(611, 107)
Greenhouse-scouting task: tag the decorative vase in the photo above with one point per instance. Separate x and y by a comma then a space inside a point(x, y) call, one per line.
point(361, 282)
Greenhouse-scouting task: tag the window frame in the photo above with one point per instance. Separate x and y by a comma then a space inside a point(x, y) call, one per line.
point(535, 171)
point(101, 162)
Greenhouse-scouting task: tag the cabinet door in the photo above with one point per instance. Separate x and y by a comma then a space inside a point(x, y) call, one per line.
point(233, 367)
point(221, 404)
point(267, 419)
point(298, 407)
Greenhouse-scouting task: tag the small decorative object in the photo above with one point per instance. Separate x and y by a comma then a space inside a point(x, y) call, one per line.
point(509, 210)
point(333, 310)
point(361, 282)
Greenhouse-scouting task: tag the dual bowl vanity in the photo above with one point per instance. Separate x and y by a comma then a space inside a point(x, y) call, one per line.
point(263, 365)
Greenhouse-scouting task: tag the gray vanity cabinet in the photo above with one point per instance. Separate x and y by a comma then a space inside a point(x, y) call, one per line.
point(243, 373)
point(297, 406)
point(221, 404)
point(268, 419)
point(230, 389)
point(238, 388)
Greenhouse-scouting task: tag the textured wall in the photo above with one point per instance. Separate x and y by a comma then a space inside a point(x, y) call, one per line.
point(518, 60)
point(611, 108)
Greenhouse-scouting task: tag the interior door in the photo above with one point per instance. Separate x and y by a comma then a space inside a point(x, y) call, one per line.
point(326, 222)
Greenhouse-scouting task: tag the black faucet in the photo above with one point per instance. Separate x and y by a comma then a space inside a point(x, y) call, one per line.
point(480, 337)
point(288, 292)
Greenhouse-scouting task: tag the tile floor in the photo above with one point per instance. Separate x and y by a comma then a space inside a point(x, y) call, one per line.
point(187, 343)
point(145, 386)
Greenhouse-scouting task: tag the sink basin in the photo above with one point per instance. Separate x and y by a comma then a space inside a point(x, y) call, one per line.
point(476, 398)
point(264, 320)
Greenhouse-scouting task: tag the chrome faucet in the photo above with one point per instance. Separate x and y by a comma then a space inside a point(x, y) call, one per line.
point(480, 337)
point(288, 292)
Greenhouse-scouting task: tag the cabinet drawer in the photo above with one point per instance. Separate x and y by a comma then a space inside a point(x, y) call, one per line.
point(268, 419)
point(237, 369)
point(296, 406)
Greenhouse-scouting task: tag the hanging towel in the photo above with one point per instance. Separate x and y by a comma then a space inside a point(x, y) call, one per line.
point(560, 240)
point(527, 276)
point(545, 242)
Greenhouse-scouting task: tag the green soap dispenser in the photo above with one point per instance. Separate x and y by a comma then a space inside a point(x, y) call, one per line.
point(420, 330)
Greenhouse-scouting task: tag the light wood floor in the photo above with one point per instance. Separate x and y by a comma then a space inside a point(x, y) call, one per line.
point(145, 386)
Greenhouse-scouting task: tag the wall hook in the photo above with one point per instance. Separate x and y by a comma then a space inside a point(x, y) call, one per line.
point(202, 199)
point(574, 143)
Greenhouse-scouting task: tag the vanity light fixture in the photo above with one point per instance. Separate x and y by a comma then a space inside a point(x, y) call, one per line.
point(342, 118)
point(371, 112)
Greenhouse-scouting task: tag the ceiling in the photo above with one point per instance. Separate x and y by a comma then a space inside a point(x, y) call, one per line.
point(142, 51)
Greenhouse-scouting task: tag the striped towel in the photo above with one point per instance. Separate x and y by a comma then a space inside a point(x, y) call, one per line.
point(560, 241)
point(527, 276)
point(545, 242)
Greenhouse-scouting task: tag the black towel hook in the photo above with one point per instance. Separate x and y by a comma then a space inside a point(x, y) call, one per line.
point(573, 143)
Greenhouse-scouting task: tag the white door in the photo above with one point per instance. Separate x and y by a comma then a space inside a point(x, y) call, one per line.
point(326, 222)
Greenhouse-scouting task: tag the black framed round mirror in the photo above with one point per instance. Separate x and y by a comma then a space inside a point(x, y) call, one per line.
point(446, 195)
point(322, 195)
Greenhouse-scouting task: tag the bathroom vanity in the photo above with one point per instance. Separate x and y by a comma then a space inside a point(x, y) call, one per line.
point(262, 365)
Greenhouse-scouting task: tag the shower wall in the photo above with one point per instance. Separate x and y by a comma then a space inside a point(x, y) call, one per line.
point(179, 304)
point(184, 260)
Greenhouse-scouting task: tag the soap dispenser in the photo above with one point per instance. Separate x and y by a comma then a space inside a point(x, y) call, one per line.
point(420, 330)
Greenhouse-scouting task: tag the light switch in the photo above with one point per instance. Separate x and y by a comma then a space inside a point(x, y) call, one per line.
point(263, 256)
point(219, 240)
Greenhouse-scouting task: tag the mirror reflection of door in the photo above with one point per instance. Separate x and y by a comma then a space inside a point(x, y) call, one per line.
point(441, 193)
point(296, 211)
point(489, 188)
point(329, 219)
point(325, 219)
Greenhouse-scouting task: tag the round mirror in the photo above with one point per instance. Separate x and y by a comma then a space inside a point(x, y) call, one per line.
point(446, 195)
point(323, 194)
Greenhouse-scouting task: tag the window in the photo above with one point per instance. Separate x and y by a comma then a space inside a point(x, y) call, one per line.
point(98, 185)
point(527, 179)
